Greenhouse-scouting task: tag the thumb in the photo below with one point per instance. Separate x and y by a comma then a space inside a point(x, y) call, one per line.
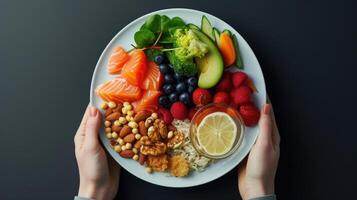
point(92, 129)
point(265, 127)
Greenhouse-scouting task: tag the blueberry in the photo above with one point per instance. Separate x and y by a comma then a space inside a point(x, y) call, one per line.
point(164, 101)
point(173, 97)
point(181, 87)
point(190, 89)
point(169, 78)
point(192, 81)
point(185, 98)
point(178, 77)
point(159, 59)
point(164, 68)
point(168, 88)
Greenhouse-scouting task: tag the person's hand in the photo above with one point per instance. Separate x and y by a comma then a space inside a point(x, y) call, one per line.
point(256, 175)
point(99, 175)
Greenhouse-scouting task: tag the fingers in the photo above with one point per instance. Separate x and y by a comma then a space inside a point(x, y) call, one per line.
point(276, 135)
point(78, 138)
point(92, 129)
point(265, 137)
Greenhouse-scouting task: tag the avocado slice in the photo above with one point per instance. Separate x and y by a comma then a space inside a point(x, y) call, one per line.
point(210, 66)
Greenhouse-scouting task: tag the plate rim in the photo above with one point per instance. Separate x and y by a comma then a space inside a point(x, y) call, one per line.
point(112, 41)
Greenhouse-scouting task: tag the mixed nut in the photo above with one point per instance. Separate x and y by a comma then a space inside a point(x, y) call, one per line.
point(141, 136)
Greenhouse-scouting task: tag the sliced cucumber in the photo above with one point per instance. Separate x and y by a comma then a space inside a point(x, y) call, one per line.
point(192, 26)
point(227, 31)
point(239, 61)
point(216, 34)
point(206, 27)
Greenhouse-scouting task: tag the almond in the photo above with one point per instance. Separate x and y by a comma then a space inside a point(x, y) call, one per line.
point(142, 128)
point(108, 111)
point(138, 144)
point(113, 116)
point(142, 159)
point(124, 131)
point(118, 108)
point(116, 128)
point(127, 153)
point(142, 115)
point(129, 138)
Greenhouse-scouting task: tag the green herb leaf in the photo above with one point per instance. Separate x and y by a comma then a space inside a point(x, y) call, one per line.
point(144, 38)
point(153, 23)
point(164, 23)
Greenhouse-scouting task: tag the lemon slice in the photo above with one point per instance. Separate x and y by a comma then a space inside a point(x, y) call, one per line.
point(217, 133)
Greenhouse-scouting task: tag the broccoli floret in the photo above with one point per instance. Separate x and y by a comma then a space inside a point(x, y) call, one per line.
point(186, 68)
point(188, 45)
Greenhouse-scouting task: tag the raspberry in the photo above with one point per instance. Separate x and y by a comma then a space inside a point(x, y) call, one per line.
point(221, 97)
point(165, 115)
point(249, 113)
point(241, 95)
point(239, 78)
point(225, 84)
point(201, 97)
point(179, 110)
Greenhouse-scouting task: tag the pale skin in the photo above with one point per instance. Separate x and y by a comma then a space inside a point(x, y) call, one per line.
point(99, 174)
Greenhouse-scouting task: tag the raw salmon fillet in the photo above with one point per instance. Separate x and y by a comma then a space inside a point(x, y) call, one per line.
point(134, 70)
point(117, 60)
point(118, 90)
point(149, 101)
point(153, 79)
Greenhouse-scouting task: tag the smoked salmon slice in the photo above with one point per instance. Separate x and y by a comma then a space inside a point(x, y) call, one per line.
point(153, 79)
point(117, 60)
point(149, 101)
point(118, 90)
point(134, 70)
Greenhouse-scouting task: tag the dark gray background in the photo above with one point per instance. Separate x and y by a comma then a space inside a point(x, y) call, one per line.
point(307, 50)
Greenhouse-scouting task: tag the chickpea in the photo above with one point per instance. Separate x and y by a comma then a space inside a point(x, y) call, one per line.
point(114, 135)
point(126, 103)
point(133, 124)
point(148, 170)
point(154, 115)
point(151, 129)
point(130, 113)
point(120, 141)
point(136, 157)
point(135, 130)
point(128, 145)
point(109, 135)
point(128, 107)
point(108, 130)
point(117, 148)
point(137, 136)
point(112, 104)
point(123, 148)
point(104, 106)
point(170, 134)
point(107, 123)
point(127, 118)
point(135, 150)
point(117, 123)
point(131, 118)
point(122, 120)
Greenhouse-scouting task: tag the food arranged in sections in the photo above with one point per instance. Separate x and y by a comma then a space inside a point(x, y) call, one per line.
point(172, 105)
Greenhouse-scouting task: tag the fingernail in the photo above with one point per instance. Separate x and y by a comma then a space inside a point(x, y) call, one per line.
point(266, 109)
point(93, 111)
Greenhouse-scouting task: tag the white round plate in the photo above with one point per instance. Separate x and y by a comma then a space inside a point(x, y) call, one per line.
point(251, 66)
